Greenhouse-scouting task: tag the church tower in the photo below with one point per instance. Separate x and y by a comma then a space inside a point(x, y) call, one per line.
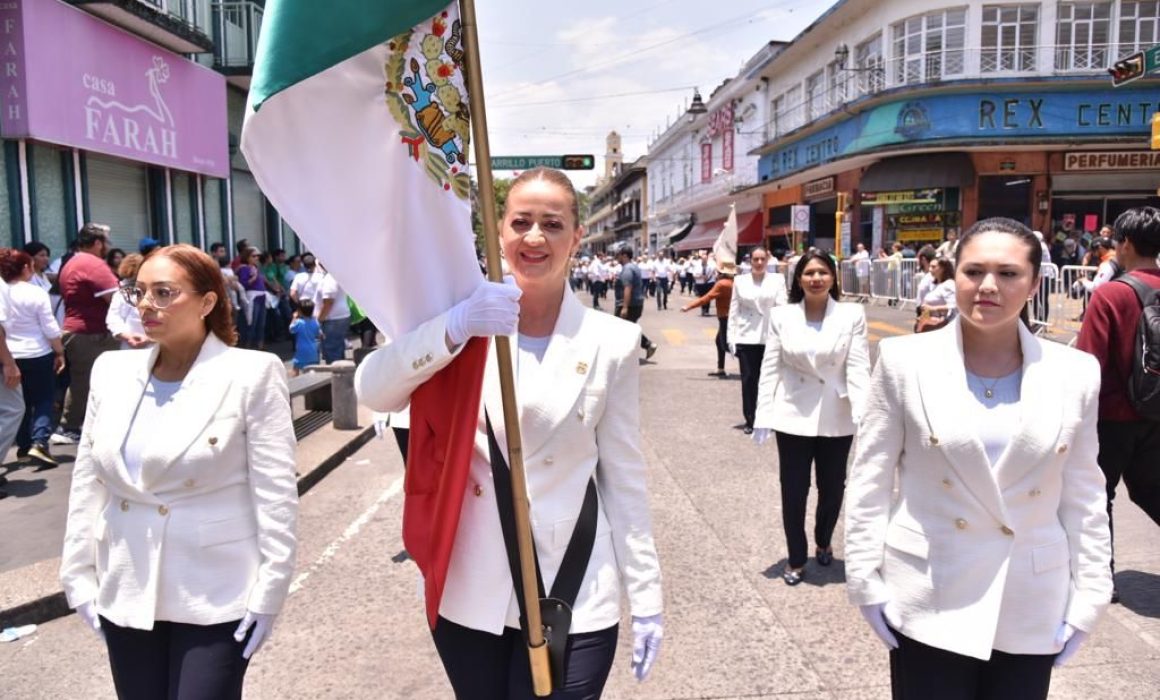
point(613, 156)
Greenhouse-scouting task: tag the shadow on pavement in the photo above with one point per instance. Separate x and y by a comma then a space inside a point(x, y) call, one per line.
point(1139, 592)
point(25, 488)
point(816, 575)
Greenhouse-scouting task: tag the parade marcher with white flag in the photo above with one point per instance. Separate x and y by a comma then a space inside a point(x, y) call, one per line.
point(394, 185)
point(725, 255)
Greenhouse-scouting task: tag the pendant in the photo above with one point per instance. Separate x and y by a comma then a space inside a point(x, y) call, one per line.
point(988, 393)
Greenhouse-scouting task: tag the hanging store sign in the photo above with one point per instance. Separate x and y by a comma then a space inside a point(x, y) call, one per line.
point(706, 162)
point(721, 124)
point(878, 199)
point(1111, 160)
point(819, 188)
point(107, 91)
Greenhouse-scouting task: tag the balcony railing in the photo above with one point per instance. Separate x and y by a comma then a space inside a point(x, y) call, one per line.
point(192, 12)
point(236, 28)
point(938, 66)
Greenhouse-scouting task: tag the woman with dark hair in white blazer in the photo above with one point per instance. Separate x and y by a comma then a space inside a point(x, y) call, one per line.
point(754, 294)
point(813, 384)
point(180, 540)
point(578, 389)
point(977, 537)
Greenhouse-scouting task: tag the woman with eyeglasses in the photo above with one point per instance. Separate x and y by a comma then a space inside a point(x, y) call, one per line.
point(123, 319)
point(181, 532)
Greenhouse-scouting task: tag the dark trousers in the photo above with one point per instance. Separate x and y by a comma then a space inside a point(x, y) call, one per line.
point(485, 666)
point(749, 357)
point(701, 289)
point(634, 313)
point(722, 342)
point(176, 661)
point(38, 382)
point(1128, 451)
point(597, 292)
point(921, 672)
point(795, 454)
point(81, 350)
point(662, 293)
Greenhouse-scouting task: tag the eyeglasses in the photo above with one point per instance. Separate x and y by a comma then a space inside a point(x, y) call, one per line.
point(159, 298)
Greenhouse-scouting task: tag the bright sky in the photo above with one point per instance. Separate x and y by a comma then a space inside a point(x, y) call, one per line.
point(559, 75)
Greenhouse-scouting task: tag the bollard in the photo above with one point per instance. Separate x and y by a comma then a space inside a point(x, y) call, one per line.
point(342, 397)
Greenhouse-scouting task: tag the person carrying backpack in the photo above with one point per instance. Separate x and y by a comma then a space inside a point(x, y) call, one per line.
point(1122, 329)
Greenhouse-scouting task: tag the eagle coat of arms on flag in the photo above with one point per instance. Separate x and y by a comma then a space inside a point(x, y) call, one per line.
point(426, 95)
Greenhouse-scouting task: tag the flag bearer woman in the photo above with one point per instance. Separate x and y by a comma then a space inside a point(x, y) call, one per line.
point(578, 389)
point(977, 537)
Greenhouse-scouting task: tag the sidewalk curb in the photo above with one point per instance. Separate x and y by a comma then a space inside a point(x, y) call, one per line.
point(55, 605)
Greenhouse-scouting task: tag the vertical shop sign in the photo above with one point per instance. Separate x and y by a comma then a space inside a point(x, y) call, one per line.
point(721, 124)
point(706, 162)
point(13, 83)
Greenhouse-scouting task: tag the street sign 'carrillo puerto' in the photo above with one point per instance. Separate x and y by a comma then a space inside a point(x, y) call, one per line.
point(574, 162)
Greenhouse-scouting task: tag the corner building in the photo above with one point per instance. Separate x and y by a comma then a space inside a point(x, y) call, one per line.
point(932, 116)
point(129, 113)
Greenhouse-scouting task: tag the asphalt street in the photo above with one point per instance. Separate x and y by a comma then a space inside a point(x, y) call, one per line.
point(354, 625)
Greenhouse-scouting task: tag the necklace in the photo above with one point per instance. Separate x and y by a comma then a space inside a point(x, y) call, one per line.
point(989, 389)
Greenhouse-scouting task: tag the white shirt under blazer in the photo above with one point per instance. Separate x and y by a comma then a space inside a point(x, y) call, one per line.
point(971, 556)
point(207, 530)
point(750, 305)
point(814, 383)
point(583, 423)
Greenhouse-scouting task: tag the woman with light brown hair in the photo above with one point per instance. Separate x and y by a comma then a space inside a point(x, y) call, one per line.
point(180, 542)
point(123, 320)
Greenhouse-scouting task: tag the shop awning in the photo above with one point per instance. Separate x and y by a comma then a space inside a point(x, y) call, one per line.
point(918, 172)
point(702, 236)
point(678, 233)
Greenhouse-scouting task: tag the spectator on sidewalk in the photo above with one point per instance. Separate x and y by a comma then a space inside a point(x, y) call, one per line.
point(307, 334)
point(11, 395)
point(305, 283)
point(253, 335)
point(182, 517)
point(242, 247)
point(333, 316)
point(629, 296)
point(33, 338)
point(86, 285)
point(1129, 444)
point(113, 258)
point(123, 319)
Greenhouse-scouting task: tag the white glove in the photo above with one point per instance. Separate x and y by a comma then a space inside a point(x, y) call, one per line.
point(492, 309)
point(761, 435)
point(876, 617)
point(380, 422)
point(87, 612)
point(262, 625)
point(732, 349)
point(647, 633)
point(1071, 640)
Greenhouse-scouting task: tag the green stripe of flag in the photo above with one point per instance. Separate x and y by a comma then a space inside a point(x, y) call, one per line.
point(301, 38)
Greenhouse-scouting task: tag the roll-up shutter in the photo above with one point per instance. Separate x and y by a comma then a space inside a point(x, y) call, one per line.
point(182, 209)
point(249, 209)
point(119, 198)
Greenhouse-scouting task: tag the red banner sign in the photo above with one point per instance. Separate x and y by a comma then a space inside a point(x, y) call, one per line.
point(706, 162)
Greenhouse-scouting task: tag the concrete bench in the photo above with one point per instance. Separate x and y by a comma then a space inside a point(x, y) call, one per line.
point(329, 388)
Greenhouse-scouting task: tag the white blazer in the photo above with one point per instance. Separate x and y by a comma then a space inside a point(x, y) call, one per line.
point(207, 530)
point(749, 307)
point(585, 422)
point(814, 384)
point(969, 557)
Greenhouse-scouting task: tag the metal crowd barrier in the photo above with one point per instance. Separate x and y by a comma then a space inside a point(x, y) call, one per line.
point(1044, 297)
point(895, 281)
point(1070, 297)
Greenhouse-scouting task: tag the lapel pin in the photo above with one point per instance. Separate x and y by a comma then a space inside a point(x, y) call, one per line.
point(581, 368)
point(213, 441)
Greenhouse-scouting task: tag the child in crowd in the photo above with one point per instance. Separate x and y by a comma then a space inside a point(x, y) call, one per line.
point(307, 334)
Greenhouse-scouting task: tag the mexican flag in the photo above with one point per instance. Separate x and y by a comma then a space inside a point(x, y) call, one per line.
point(358, 132)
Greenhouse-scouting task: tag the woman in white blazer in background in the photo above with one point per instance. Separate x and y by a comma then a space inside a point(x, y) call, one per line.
point(977, 539)
point(180, 540)
point(578, 389)
point(754, 295)
point(813, 384)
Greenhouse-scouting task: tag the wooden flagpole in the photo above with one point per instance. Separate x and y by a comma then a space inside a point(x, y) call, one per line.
point(537, 646)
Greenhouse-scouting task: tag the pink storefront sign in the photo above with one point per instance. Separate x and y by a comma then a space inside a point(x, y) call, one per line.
point(71, 79)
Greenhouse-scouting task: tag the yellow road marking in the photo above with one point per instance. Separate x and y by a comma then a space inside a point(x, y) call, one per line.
point(709, 332)
point(674, 336)
point(888, 328)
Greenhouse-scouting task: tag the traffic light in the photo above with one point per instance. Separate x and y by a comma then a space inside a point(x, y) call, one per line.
point(586, 162)
point(1127, 69)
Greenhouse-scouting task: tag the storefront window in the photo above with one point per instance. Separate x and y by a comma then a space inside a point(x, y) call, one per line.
point(212, 194)
point(182, 209)
point(816, 94)
point(1082, 35)
point(49, 197)
point(1009, 38)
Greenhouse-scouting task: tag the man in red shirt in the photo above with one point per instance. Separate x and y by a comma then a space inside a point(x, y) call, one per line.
point(86, 285)
point(1129, 444)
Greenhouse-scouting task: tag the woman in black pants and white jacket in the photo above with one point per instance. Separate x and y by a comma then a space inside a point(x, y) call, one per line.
point(754, 295)
point(811, 392)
